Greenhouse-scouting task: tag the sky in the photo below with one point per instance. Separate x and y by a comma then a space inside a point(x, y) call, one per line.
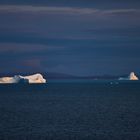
point(77, 37)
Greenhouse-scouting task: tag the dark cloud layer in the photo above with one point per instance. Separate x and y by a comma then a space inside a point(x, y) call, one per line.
point(78, 3)
point(76, 37)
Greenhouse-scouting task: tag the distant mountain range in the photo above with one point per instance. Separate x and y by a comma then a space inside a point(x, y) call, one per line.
point(68, 76)
point(49, 75)
point(61, 76)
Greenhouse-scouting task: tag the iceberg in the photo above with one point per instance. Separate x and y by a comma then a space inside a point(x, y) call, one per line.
point(36, 78)
point(131, 76)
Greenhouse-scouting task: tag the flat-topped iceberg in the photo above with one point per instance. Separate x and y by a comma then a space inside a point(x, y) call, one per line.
point(131, 76)
point(36, 78)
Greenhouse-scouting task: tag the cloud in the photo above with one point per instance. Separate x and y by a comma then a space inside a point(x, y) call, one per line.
point(64, 10)
point(21, 48)
point(36, 24)
point(68, 39)
point(47, 9)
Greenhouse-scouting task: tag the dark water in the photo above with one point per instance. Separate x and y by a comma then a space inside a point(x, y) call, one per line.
point(70, 111)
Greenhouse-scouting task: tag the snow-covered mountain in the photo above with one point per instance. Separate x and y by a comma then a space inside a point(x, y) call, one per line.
point(36, 78)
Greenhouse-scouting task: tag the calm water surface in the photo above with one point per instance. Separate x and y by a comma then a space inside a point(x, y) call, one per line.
point(70, 111)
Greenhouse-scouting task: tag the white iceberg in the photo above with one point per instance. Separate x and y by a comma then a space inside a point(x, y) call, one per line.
point(131, 76)
point(36, 78)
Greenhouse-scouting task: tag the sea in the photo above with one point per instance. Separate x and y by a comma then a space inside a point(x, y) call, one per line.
point(70, 110)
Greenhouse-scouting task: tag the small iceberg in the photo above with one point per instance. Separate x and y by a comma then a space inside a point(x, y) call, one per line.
point(36, 78)
point(131, 76)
